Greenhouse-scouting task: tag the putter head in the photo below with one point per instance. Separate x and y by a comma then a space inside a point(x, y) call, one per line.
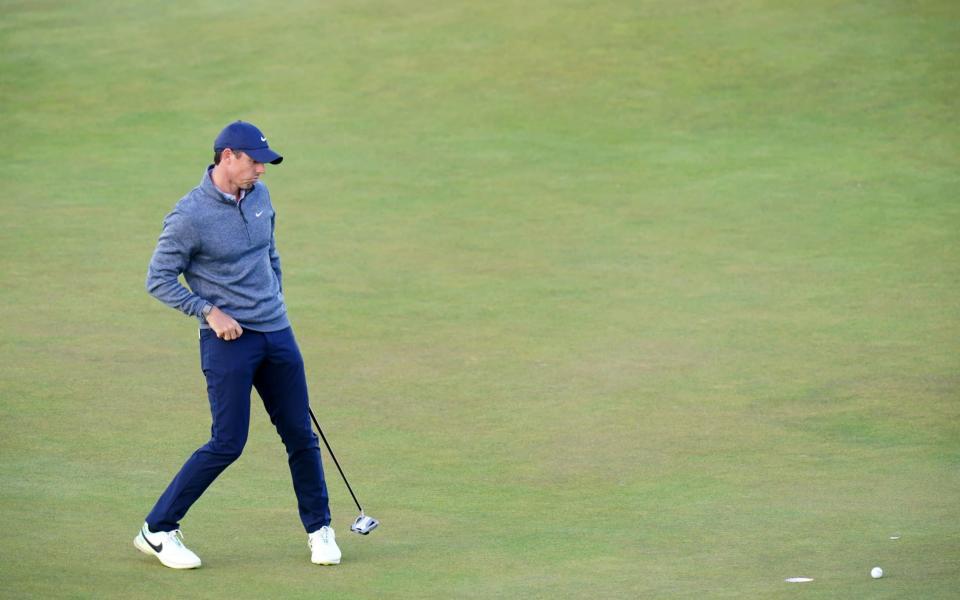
point(364, 524)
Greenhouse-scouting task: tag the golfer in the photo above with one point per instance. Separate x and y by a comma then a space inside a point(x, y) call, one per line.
point(220, 237)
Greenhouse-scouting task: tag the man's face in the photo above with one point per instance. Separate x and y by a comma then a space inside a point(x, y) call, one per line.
point(242, 170)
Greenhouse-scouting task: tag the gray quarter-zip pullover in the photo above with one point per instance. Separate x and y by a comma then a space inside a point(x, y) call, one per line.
point(226, 251)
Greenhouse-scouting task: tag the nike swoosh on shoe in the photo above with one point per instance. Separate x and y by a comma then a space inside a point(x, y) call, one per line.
point(157, 548)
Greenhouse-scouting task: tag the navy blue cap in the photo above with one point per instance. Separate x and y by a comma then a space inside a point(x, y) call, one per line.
point(247, 139)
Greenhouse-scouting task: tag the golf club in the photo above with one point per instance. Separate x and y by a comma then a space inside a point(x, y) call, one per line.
point(362, 524)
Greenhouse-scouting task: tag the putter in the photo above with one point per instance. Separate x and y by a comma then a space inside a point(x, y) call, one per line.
point(362, 524)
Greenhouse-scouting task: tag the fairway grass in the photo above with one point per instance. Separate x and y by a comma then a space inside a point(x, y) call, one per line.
point(597, 299)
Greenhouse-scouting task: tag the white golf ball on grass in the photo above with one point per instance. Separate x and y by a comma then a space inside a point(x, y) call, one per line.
point(876, 572)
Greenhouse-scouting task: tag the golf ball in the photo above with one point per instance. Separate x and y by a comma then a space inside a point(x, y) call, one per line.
point(876, 572)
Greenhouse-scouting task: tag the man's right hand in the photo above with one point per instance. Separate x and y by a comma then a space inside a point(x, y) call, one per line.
point(224, 325)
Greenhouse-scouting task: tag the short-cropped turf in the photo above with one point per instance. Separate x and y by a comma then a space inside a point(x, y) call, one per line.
point(606, 299)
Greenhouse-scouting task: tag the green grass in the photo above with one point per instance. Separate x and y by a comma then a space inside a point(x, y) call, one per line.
point(598, 299)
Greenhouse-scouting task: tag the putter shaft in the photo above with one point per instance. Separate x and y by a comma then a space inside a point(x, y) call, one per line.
point(335, 461)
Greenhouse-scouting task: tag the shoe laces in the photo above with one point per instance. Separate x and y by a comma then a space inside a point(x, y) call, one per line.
point(176, 537)
point(322, 534)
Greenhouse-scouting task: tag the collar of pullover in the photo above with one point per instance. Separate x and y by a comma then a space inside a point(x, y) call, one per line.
point(211, 189)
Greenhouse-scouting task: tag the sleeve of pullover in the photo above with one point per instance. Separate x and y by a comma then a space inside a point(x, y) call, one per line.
point(170, 259)
point(274, 255)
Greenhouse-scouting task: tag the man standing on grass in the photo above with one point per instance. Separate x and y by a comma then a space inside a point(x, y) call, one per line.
point(220, 236)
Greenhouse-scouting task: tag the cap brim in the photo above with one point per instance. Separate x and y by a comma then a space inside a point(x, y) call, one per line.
point(264, 155)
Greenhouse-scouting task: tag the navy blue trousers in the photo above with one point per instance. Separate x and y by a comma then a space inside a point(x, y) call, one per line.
point(271, 363)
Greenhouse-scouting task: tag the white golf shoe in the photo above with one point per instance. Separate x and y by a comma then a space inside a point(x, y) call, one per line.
point(166, 546)
point(323, 547)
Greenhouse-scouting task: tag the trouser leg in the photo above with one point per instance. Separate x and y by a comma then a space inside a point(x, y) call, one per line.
point(282, 384)
point(229, 368)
